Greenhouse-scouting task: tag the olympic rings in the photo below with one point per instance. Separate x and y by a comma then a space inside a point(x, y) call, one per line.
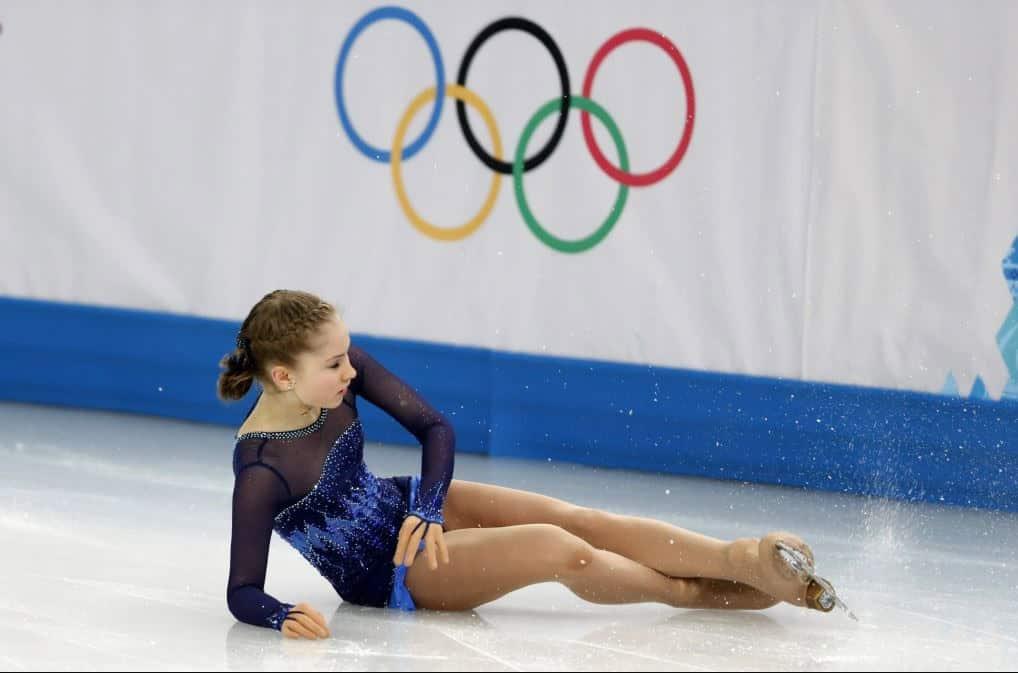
point(532, 28)
point(521, 164)
point(472, 99)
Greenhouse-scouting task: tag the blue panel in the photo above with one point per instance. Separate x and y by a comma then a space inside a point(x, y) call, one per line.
point(896, 444)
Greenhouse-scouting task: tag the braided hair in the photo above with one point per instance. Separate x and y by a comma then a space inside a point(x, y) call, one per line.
point(278, 328)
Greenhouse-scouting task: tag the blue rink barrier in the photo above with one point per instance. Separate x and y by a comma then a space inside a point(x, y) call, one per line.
point(888, 443)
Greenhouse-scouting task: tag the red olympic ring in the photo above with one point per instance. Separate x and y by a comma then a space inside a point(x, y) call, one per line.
point(639, 179)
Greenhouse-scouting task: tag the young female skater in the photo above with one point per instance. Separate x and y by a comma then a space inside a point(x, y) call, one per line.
point(299, 470)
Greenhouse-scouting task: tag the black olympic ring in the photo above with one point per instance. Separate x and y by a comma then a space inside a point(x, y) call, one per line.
point(527, 26)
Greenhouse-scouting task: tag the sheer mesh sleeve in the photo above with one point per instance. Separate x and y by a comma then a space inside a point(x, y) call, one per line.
point(257, 492)
point(384, 389)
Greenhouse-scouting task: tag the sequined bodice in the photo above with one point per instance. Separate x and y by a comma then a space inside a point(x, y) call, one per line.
point(350, 518)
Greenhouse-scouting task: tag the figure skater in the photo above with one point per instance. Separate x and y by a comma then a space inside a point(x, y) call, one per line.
point(299, 470)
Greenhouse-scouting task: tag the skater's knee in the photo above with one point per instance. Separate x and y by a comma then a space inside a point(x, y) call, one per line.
point(567, 553)
point(579, 555)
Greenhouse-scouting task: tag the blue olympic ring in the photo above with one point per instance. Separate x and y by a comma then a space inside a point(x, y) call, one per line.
point(399, 14)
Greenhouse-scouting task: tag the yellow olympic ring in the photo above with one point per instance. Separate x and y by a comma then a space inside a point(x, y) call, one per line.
point(473, 100)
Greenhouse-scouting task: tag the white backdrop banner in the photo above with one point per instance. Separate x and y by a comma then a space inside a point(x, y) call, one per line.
point(836, 198)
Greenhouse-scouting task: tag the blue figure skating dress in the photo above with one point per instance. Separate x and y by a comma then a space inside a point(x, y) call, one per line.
point(312, 487)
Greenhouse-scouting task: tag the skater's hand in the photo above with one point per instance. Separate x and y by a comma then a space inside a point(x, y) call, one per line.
point(303, 621)
point(415, 534)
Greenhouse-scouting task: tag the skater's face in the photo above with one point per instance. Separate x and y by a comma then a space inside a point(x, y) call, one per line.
point(324, 373)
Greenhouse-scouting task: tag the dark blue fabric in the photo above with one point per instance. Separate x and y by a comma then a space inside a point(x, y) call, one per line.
point(312, 486)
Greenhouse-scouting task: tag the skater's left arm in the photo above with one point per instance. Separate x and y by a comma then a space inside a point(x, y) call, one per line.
point(384, 389)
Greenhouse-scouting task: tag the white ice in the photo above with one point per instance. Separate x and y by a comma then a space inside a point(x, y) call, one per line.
point(114, 535)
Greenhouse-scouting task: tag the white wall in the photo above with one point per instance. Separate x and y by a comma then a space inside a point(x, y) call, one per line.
point(841, 213)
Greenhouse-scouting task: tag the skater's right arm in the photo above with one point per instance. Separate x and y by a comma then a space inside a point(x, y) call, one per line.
point(257, 492)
